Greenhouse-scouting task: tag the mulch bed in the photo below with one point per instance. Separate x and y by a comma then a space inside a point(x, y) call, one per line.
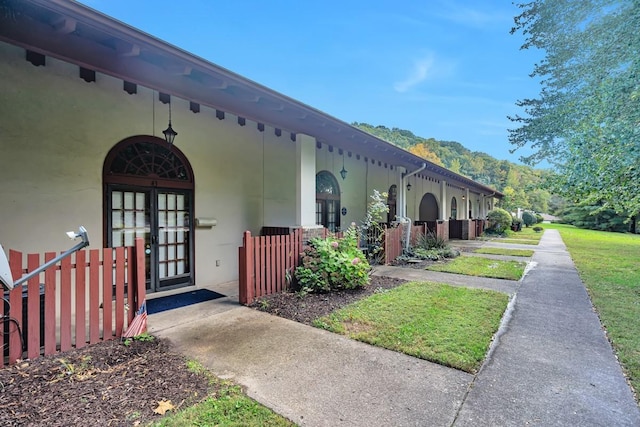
point(305, 309)
point(104, 384)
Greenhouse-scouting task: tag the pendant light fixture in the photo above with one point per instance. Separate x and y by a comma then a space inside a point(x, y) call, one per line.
point(169, 133)
point(343, 172)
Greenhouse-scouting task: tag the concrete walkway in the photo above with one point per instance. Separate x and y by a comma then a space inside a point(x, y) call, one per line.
point(550, 365)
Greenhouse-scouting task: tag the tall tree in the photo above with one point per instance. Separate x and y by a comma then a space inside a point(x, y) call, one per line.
point(423, 151)
point(586, 121)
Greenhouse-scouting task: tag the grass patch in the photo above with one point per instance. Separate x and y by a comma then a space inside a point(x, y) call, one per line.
point(526, 233)
point(608, 266)
point(449, 325)
point(482, 267)
point(228, 407)
point(517, 241)
point(504, 251)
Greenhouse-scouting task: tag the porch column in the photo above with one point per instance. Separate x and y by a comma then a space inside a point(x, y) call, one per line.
point(443, 200)
point(466, 204)
point(305, 181)
point(481, 208)
point(401, 203)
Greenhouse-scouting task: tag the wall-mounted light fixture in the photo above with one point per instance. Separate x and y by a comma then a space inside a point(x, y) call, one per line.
point(343, 172)
point(408, 186)
point(169, 133)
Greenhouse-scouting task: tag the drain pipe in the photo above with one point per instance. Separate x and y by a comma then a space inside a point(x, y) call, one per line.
point(404, 219)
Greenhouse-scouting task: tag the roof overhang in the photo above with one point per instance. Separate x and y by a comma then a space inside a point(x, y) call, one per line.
point(72, 32)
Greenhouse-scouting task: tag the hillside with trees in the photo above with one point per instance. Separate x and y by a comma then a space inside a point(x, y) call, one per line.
point(523, 186)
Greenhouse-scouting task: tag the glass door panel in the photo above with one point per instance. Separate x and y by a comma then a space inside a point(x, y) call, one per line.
point(130, 218)
point(173, 237)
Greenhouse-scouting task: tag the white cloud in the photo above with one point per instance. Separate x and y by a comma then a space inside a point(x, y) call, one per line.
point(421, 70)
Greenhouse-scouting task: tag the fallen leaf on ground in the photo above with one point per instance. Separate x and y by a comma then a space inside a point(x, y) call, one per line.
point(164, 406)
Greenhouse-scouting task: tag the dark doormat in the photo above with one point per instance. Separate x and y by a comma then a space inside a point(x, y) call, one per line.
point(156, 305)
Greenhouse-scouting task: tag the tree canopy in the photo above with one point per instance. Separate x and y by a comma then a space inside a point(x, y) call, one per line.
point(586, 120)
point(523, 186)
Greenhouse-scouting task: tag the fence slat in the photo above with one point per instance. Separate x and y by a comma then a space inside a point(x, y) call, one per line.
point(15, 300)
point(94, 296)
point(32, 340)
point(49, 306)
point(107, 293)
point(269, 264)
point(120, 274)
point(65, 304)
point(81, 321)
point(141, 278)
point(131, 301)
point(259, 268)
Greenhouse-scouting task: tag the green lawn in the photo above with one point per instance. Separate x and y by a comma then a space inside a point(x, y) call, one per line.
point(482, 267)
point(449, 325)
point(609, 266)
point(229, 407)
point(504, 251)
point(517, 241)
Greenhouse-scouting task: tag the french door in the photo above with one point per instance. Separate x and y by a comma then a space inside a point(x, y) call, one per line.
point(163, 218)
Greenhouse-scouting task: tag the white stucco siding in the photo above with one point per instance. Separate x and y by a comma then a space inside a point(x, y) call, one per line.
point(56, 130)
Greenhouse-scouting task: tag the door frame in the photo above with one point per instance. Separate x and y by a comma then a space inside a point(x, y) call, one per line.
point(149, 164)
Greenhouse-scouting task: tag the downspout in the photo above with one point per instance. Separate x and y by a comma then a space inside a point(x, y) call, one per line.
point(404, 218)
point(485, 198)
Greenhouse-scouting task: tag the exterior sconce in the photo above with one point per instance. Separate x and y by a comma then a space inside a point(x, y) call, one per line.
point(408, 186)
point(343, 172)
point(169, 133)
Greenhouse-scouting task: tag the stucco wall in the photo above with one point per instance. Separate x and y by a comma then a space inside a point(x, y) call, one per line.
point(56, 129)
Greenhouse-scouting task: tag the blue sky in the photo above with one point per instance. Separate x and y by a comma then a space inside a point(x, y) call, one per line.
point(443, 69)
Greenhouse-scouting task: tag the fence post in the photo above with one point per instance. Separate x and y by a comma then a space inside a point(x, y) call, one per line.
point(15, 300)
point(246, 280)
point(140, 275)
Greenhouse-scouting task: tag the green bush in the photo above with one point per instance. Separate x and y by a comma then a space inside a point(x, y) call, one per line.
point(333, 264)
point(539, 218)
point(499, 220)
point(537, 229)
point(528, 218)
point(430, 241)
point(516, 224)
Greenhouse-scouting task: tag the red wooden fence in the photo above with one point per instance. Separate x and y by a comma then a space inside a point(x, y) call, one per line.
point(265, 262)
point(392, 243)
point(71, 303)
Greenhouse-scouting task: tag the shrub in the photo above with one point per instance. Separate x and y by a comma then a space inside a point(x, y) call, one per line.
point(528, 218)
point(430, 241)
point(516, 224)
point(429, 246)
point(537, 229)
point(372, 229)
point(499, 220)
point(333, 264)
point(539, 218)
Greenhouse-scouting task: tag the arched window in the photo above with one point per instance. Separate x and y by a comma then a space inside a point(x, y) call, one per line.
point(428, 208)
point(327, 201)
point(392, 198)
point(454, 208)
point(148, 193)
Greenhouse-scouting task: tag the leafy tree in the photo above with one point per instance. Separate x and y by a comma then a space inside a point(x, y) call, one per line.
point(586, 120)
point(527, 185)
point(593, 217)
point(454, 166)
point(528, 218)
point(421, 150)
